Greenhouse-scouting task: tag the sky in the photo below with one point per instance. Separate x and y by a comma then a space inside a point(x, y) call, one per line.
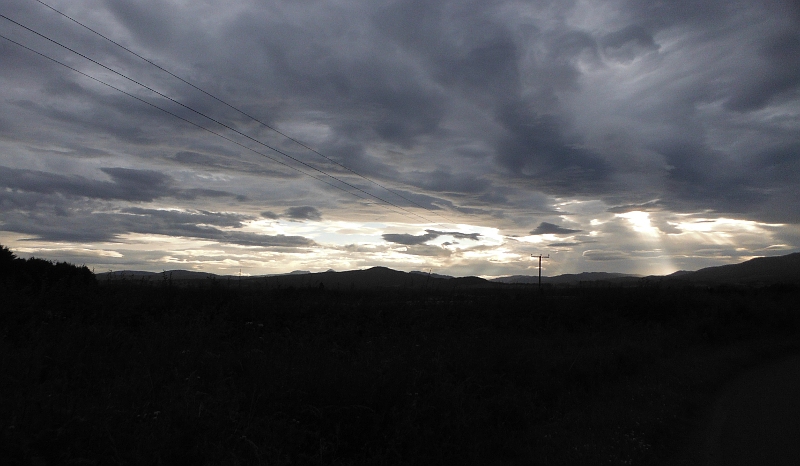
point(460, 137)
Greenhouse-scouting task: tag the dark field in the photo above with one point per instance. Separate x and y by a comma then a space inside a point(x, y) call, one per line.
point(204, 372)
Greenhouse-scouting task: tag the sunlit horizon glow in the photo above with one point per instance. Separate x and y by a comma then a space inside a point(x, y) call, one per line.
point(361, 248)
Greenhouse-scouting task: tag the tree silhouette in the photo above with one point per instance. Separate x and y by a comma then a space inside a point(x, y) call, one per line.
point(34, 273)
point(7, 259)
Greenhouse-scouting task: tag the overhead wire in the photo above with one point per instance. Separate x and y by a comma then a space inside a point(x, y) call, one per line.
point(180, 117)
point(242, 112)
point(214, 120)
point(177, 116)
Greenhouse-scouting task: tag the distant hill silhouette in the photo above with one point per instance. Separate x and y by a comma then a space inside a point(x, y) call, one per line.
point(435, 275)
point(372, 278)
point(569, 278)
point(758, 271)
point(138, 275)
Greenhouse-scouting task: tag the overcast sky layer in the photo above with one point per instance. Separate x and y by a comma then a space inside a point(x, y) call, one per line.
point(462, 136)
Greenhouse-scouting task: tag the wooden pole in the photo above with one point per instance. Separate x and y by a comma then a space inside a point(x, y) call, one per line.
point(540, 267)
point(540, 272)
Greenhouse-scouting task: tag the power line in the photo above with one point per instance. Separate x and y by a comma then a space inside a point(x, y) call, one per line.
point(181, 118)
point(210, 118)
point(214, 120)
point(177, 116)
point(242, 112)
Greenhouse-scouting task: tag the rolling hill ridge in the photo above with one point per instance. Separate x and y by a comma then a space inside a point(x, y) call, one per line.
point(759, 271)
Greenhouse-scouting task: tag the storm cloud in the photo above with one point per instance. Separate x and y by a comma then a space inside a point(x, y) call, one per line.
point(475, 121)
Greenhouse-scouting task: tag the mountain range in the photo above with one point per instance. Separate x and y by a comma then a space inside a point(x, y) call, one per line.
point(757, 272)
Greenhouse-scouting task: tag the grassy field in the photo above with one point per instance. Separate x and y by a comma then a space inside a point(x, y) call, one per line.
point(141, 373)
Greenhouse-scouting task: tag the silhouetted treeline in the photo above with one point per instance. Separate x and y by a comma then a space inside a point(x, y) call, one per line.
point(37, 275)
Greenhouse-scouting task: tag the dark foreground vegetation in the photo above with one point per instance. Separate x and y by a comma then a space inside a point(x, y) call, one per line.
point(132, 372)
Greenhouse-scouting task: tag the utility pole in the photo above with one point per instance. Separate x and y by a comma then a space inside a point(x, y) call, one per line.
point(540, 267)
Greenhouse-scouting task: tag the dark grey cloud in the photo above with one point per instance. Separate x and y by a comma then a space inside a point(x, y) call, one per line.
point(605, 255)
point(632, 34)
point(643, 207)
point(267, 241)
point(301, 58)
point(441, 180)
point(412, 63)
point(666, 227)
point(467, 48)
point(700, 177)
point(460, 43)
point(205, 193)
point(546, 228)
point(430, 202)
point(126, 184)
point(770, 184)
point(86, 226)
point(774, 73)
point(303, 213)
point(179, 217)
point(295, 213)
point(74, 150)
point(564, 244)
point(78, 226)
point(13, 201)
point(427, 251)
point(535, 147)
point(116, 116)
point(660, 15)
point(409, 240)
point(580, 240)
point(627, 43)
point(149, 21)
point(231, 164)
point(456, 234)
